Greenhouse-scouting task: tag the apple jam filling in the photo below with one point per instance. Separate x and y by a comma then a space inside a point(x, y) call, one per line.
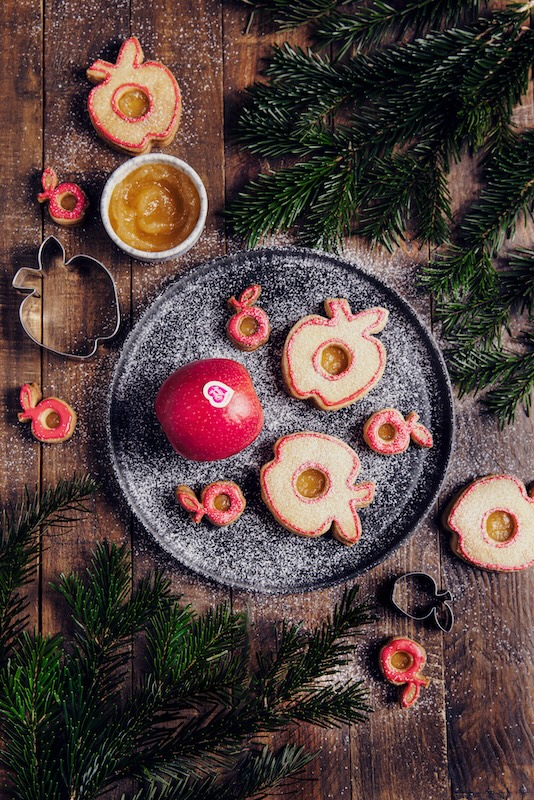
point(387, 432)
point(134, 103)
point(401, 660)
point(154, 208)
point(222, 502)
point(500, 526)
point(52, 420)
point(311, 483)
point(249, 326)
point(68, 201)
point(334, 359)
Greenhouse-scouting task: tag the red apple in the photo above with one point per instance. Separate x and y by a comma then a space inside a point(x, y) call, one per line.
point(209, 409)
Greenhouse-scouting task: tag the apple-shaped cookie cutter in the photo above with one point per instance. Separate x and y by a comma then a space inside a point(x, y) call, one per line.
point(20, 283)
point(438, 599)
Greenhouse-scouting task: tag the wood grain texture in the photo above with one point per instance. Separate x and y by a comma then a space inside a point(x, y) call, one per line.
point(470, 735)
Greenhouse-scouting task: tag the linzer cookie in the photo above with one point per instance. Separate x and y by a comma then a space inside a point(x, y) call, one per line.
point(387, 432)
point(52, 420)
point(309, 486)
point(249, 328)
point(492, 524)
point(137, 103)
point(67, 202)
point(402, 661)
point(222, 502)
point(335, 361)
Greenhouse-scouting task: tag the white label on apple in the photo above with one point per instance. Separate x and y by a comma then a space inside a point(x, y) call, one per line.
point(217, 394)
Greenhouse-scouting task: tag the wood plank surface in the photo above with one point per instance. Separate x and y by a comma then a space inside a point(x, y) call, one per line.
point(470, 735)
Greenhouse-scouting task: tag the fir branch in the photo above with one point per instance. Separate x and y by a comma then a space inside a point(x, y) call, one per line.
point(517, 281)
point(405, 189)
point(276, 201)
point(480, 317)
point(507, 197)
point(72, 727)
point(262, 770)
point(510, 374)
point(195, 657)
point(329, 707)
point(31, 687)
point(373, 26)
point(257, 772)
point(20, 527)
point(291, 13)
point(447, 91)
point(458, 271)
point(286, 681)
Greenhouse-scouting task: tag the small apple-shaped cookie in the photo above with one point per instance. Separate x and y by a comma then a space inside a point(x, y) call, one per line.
point(209, 409)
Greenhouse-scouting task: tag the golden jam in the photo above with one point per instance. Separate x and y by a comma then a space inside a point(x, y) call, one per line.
point(222, 502)
point(387, 432)
point(500, 526)
point(134, 104)
point(334, 359)
point(249, 326)
point(311, 483)
point(154, 208)
point(401, 660)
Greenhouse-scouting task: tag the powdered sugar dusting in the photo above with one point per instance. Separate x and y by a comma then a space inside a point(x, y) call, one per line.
point(188, 322)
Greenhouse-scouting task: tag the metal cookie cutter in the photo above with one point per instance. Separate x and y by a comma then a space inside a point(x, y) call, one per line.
point(436, 602)
point(73, 305)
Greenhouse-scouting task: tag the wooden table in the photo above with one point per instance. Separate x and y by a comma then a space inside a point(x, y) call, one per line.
point(469, 738)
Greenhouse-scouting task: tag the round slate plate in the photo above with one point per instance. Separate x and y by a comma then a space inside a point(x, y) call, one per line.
point(188, 322)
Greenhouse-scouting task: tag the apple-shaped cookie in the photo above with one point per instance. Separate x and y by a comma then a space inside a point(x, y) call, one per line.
point(136, 103)
point(209, 409)
point(492, 524)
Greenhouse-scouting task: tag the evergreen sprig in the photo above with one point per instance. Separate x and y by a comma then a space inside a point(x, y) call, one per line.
point(407, 112)
point(191, 723)
point(368, 136)
point(371, 25)
point(21, 524)
point(511, 376)
point(476, 301)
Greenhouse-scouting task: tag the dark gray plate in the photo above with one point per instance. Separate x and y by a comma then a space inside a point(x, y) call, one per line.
point(188, 322)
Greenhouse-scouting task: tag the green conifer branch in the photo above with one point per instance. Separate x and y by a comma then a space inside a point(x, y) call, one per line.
point(291, 13)
point(21, 524)
point(373, 26)
point(511, 376)
point(70, 724)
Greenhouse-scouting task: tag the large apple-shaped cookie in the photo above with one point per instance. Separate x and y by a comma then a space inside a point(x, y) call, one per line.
point(492, 522)
point(334, 361)
point(209, 409)
point(309, 486)
point(136, 102)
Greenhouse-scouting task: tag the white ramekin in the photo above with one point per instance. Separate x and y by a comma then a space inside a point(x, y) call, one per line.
point(121, 172)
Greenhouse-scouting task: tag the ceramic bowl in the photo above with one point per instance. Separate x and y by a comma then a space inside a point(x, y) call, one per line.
point(125, 169)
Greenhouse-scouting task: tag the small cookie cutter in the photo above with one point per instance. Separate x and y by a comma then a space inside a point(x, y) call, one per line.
point(31, 309)
point(439, 598)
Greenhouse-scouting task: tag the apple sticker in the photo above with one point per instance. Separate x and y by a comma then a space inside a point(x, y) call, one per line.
point(217, 393)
